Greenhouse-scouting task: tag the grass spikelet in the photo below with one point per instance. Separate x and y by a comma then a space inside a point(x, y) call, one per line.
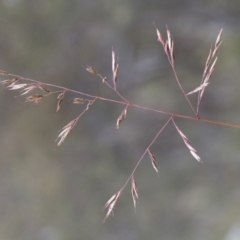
point(187, 143)
point(110, 204)
point(36, 98)
point(28, 89)
point(15, 86)
point(60, 99)
point(153, 160)
point(160, 37)
point(44, 89)
point(65, 131)
point(134, 191)
point(92, 70)
point(121, 117)
point(200, 88)
point(78, 100)
point(114, 69)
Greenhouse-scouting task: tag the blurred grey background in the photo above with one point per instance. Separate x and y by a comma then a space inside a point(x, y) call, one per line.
point(51, 193)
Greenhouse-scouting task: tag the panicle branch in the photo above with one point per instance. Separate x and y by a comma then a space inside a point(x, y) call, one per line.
point(168, 46)
point(66, 129)
point(134, 191)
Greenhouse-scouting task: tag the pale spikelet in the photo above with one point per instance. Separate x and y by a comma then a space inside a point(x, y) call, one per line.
point(209, 58)
point(36, 98)
point(167, 50)
point(60, 99)
point(169, 47)
point(104, 79)
point(218, 42)
point(212, 67)
point(187, 143)
point(207, 78)
point(153, 160)
point(115, 75)
point(44, 89)
point(111, 203)
point(219, 37)
point(121, 117)
point(15, 86)
point(78, 100)
point(28, 89)
point(172, 53)
point(114, 69)
point(201, 87)
point(91, 70)
point(207, 73)
point(134, 191)
point(169, 40)
point(90, 102)
point(3, 72)
point(8, 81)
point(65, 131)
point(113, 61)
point(160, 38)
point(202, 92)
point(213, 53)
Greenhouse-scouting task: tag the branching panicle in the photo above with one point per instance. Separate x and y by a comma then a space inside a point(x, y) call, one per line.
point(27, 86)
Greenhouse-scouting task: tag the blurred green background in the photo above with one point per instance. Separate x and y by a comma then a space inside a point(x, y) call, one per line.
point(51, 193)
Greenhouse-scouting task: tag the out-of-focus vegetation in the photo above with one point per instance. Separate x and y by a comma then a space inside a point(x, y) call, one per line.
point(50, 193)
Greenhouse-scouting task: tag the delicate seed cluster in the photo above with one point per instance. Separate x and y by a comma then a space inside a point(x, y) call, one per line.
point(25, 88)
point(65, 131)
point(168, 45)
point(208, 70)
